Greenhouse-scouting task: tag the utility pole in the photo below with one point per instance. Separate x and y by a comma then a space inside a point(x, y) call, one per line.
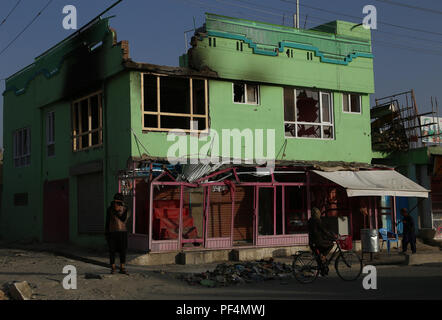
point(296, 16)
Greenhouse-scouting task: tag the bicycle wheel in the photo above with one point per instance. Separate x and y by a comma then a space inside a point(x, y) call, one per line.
point(348, 266)
point(305, 267)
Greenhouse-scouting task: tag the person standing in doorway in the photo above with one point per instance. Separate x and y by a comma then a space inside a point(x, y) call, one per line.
point(409, 236)
point(116, 232)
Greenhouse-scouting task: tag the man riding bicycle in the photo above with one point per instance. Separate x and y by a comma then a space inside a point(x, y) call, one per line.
point(320, 239)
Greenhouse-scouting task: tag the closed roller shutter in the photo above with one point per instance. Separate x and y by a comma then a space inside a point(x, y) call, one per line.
point(243, 221)
point(90, 196)
point(220, 215)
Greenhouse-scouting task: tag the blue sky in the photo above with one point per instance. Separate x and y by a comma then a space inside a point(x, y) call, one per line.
point(404, 59)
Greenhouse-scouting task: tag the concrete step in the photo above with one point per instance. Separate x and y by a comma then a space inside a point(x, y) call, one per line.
point(210, 256)
point(423, 258)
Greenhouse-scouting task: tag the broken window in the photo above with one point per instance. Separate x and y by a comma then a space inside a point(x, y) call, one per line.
point(50, 134)
point(22, 147)
point(245, 93)
point(87, 122)
point(351, 103)
point(308, 113)
point(174, 103)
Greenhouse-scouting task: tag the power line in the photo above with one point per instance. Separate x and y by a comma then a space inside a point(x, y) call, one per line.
point(377, 30)
point(355, 17)
point(410, 6)
point(381, 43)
point(10, 12)
point(27, 26)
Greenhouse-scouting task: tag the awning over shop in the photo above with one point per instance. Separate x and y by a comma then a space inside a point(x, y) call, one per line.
point(375, 183)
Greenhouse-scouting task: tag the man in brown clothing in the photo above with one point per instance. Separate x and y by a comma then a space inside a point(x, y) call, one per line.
point(116, 231)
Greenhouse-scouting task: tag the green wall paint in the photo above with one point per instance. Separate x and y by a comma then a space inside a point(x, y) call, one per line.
point(352, 142)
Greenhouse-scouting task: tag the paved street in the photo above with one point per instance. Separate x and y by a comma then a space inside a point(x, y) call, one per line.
point(44, 273)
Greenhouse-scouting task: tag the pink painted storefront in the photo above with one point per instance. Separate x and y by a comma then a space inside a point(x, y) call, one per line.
point(239, 207)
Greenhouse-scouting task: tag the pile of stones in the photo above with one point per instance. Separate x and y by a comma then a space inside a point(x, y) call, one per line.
point(238, 273)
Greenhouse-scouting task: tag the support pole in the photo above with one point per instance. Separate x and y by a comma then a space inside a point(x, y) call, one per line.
point(151, 187)
point(308, 195)
point(394, 215)
point(180, 228)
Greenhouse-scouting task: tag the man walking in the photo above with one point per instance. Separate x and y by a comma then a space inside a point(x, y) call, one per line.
point(116, 231)
point(409, 237)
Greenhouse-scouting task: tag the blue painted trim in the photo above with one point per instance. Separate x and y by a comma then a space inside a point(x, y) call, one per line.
point(282, 45)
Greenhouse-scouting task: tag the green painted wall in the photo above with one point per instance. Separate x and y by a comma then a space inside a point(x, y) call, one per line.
point(47, 85)
point(342, 59)
point(352, 142)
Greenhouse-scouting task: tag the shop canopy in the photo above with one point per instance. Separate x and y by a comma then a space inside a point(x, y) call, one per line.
point(375, 183)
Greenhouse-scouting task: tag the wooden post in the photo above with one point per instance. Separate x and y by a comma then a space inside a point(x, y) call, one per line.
point(370, 214)
point(393, 218)
point(274, 210)
point(376, 212)
point(151, 187)
point(180, 227)
point(308, 195)
point(233, 217)
point(350, 216)
point(283, 209)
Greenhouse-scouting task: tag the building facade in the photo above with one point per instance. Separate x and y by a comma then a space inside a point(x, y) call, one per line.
point(85, 121)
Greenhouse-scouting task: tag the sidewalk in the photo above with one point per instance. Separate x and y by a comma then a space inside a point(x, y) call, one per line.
point(425, 254)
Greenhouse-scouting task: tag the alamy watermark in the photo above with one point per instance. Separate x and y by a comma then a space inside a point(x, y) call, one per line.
point(370, 21)
point(370, 280)
point(70, 281)
point(70, 20)
point(212, 147)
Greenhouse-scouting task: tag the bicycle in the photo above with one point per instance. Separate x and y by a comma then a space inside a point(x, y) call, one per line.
point(307, 264)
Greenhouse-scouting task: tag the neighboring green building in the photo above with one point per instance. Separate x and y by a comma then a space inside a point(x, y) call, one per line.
point(83, 112)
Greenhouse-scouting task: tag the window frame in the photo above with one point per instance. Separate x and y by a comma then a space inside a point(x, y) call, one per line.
point(19, 154)
point(74, 135)
point(50, 132)
point(349, 102)
point(321, 124)
point(190, 115)
point(258, 94)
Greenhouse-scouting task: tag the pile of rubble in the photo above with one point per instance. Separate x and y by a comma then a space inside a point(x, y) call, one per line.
point(245, 272)
point(16, 291)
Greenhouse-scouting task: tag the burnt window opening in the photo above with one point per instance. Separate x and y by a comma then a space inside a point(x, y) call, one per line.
point(245, 93)
point(87, 122)
point(22, 147)
point(50, 134)
point(174, 103)
point(309, 55)
point(351, 103)
point(308, 113)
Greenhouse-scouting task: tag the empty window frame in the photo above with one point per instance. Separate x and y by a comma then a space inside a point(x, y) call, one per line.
point(22, 147)
point(245, 93)
point(170, 103)
point(308, 113)
point(87, 122)
point(50, 134)
point(351, 103)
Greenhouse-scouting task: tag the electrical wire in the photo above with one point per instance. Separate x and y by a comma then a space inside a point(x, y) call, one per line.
point(10, 12)
point(332, 29)
point(395, 3)
point(377, 30)
point(27, 26)
point(355, 17)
